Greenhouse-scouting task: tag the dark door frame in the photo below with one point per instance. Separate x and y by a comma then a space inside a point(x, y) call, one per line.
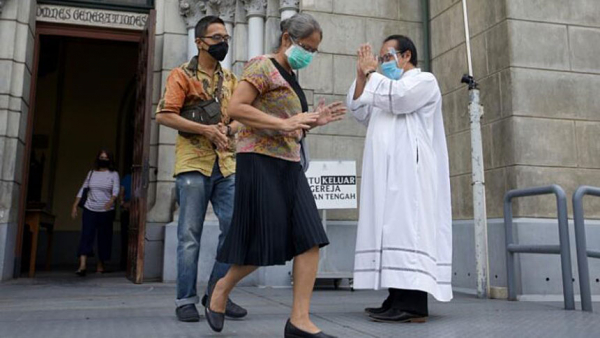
point(53, 29)
point(141, 153)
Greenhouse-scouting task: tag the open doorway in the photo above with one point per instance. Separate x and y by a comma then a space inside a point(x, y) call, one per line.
point(85, 101)
point(93, 87)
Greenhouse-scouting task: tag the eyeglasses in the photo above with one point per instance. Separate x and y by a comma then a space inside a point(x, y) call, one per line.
point(305, 47)
point(388, 56)
point(218, 38)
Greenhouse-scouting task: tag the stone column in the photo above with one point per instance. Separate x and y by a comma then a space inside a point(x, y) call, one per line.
point(256, 13)
point(192, 11)
point(240, 39)
point(226, 11)
point(288, 8)
point(17, 24)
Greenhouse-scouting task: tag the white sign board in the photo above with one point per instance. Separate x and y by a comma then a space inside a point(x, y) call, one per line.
point(91, 17)
point(333, 184)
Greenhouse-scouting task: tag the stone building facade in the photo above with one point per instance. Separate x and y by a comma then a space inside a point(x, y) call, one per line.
point(536, 66)
point(535, 61)
point(17, 27)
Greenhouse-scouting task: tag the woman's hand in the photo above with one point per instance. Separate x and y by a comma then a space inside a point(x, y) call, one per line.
point(74, 212)
point(299, 121)
point(330, 113)
point(108, 205)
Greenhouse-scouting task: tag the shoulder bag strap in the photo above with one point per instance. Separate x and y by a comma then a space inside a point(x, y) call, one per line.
point(291, 80)
point(217, 94)
point(219, 91)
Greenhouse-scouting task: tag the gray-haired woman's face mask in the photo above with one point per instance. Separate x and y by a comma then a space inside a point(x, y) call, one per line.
point(298, 56)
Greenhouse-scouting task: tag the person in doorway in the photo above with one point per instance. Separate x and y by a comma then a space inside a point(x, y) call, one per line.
point(404, 239)
point(102, 187)
point(275, 216)
point(125, 199)
point(204, 158)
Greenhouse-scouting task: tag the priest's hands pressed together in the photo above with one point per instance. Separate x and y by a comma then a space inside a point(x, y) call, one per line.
point(367, 61)
point(366, 64)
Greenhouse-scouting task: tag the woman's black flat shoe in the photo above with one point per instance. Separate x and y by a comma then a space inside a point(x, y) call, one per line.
point(293, 332)
point(81, 273)
point(215, 320)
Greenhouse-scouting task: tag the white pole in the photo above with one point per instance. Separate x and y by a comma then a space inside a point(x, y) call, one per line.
point(468, 37)
point(478, 174)
point(479, 206)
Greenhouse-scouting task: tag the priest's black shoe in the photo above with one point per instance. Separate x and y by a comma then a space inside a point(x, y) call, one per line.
point(398, 316)
point(387, 304)
point(293, 332)
point(187, 313)
point(232, 310)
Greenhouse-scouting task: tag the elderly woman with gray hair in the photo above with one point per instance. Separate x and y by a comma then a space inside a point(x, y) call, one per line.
point(275, 217)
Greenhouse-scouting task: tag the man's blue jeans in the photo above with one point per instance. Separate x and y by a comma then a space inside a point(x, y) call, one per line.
point(194, 191)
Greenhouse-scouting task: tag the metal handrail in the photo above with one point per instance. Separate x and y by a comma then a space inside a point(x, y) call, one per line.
point(581, 245)
point(562, 249)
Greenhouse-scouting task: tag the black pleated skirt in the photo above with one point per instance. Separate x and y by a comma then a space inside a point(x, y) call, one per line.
point(275, 217)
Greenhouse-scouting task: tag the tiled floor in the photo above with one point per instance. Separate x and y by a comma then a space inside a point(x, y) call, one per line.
point(63, 306)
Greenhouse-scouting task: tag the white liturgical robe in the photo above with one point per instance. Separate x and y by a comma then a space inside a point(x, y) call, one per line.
point(404, 237)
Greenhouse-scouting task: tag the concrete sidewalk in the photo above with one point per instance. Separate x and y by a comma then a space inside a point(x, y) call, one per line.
point(64, 306)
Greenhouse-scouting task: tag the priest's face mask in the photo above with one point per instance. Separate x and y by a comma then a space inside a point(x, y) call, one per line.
point(392, 61)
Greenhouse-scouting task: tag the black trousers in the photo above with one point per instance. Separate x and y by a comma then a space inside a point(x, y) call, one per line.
point(102, 224)
point(412, 301)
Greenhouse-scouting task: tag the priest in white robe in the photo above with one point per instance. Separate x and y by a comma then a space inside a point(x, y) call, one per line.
point(404, 240)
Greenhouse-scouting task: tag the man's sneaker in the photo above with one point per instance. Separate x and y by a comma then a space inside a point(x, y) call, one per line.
point(232, 310)
point(187, 313)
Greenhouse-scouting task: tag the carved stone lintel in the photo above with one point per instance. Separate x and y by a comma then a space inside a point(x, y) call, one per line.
point(255, 8)
point(286, 5)
point(192, 11)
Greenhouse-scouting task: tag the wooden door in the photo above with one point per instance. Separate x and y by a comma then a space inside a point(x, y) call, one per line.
point(141, 150)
